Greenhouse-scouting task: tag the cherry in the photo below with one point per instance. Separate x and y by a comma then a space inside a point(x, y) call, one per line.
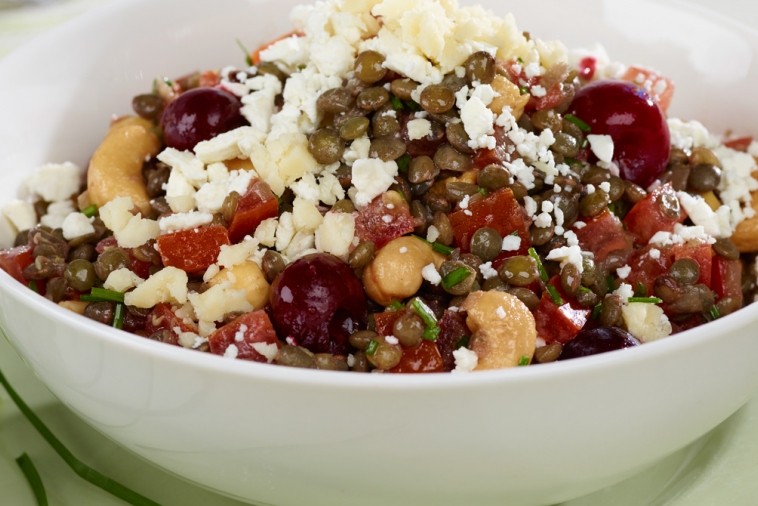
point(199, 114)
point(318, 301)
point(634, 121)
point(598, 340)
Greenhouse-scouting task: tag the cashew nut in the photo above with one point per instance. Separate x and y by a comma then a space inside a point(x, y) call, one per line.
point(246, 276)
point(115, 169)
point(508, 95)
point(395, 271)
point(503, 329)
point(77, 306)
point(745, 237)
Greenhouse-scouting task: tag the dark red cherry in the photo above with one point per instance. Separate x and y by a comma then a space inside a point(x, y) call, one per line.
point(199, 114)
point(318, 301)
point(634, 120)
point(598, 340)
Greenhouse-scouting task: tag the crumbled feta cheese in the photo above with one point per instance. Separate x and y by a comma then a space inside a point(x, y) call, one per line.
point(465, 360)
point(56, 213)
point(602, 146)
point(432, 233)
point(391, 340)
point(268, 350)
point(488, 272)
point(21, 214)
point(430, 273)
point(231, 351)
point(538, 91)
point(218, 301)
point(647, 322)
point(418, 129)
point(680, 235)
point(566, 255)
point(624, 291)
point(511, 243)
point(500, 312)
point(121, 280)
point(130, 230)
point(265, 234)
point(184, 221)
point(305, 215)
point(714, 223)
point(689, 135)
point(371, 178)
point(76, 225)
point(335, 234)
point(235, 254)
point(654, 253)
point(55, 181)
point(192, 168)
point(167, 285)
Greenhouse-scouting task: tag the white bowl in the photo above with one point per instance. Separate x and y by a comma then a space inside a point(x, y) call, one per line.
point(276, 435)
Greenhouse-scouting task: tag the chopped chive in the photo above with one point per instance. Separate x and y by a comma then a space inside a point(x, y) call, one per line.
point(81, 469)
point(482, 191)
point(427, 316)
point(610, 283)
point(646, 300)
point(403, 162)
point(714, 313)
point(413, 106)
point(584, 127)
point(118, 316)
point(541, 268)
point(554, 295)
point(90, 211)
point(372, 346)
point(454, 277)
point(583, 289)
point(570, 161)
point(397, 104)
point(462, 342)
point(524, 360)
point(102, 295)
point(640, 290)
point(33, 477)
point(597, 310)
point(33, 285)
point(395, 305)
point(248, 58)
point(523, 90)
point(441, 248)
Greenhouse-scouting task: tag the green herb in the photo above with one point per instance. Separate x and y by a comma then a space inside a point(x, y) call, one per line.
point(427, 316)
point(372, 346)
point(397, 104)
point(524, 360)
point(454, 277)
point(482, 191)
point(541, 268)
point(554, 295)
point(33, 477)
point(436, 246)
point(403, 162)
point(570, 161)
point(597, 310)
point(646, 300)
point(118, 316)
point(610, 283)
point(523, 90)
point(102, 295)
point(90, 211)
point(413, 106)
point(248, 58)
point(81, 469)
point(640, 290)
point(714, 313)
point(462, 342)
point(395, 305)
point(584, 127)
point(32, 284)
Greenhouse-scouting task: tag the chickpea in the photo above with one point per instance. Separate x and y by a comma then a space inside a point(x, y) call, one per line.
point(246, 276)
point(395, 271)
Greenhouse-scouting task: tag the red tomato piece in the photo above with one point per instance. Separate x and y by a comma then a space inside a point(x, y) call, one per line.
point(645, 268)
point(658, 211)
point(699, 252)
point(257, 204)
point(192, 250)
point(499, 154)
point(255, 56)
point(385, 321)
point(499, 210)
point(209, 78)
point(15, 260)
point(425, 357)
point(660, 88)
point(558, 324)
point(739, 143)
point(244, 332)
point(604, 235)
point(163, 318)
point(386, 217)
point(726, 278)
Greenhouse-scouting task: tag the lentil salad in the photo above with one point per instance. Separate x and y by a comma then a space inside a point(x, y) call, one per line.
point(386, 226)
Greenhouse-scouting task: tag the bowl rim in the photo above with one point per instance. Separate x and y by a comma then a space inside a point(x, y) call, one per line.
point(127, 342)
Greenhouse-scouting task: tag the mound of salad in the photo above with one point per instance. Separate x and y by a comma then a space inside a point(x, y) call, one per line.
point(398, 186)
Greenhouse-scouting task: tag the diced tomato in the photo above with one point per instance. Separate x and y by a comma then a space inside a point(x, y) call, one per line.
point(739, 143)
point(256, 205)
point(604, 235)
point(385, 321)
point(163, 318)
point(499, 154)
point(558, 324)
point(192, 250)
point(422, 358)
point(256, 55)
point(554, 96)
point(453, 328)
point(659, 211)
point(15, 260)
point(244, 332)
point(645, 268)
point(209, 78)
point(386, 217)
point(499, 210)
point(726, 279)
point(699, 252)
point(660, 88)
